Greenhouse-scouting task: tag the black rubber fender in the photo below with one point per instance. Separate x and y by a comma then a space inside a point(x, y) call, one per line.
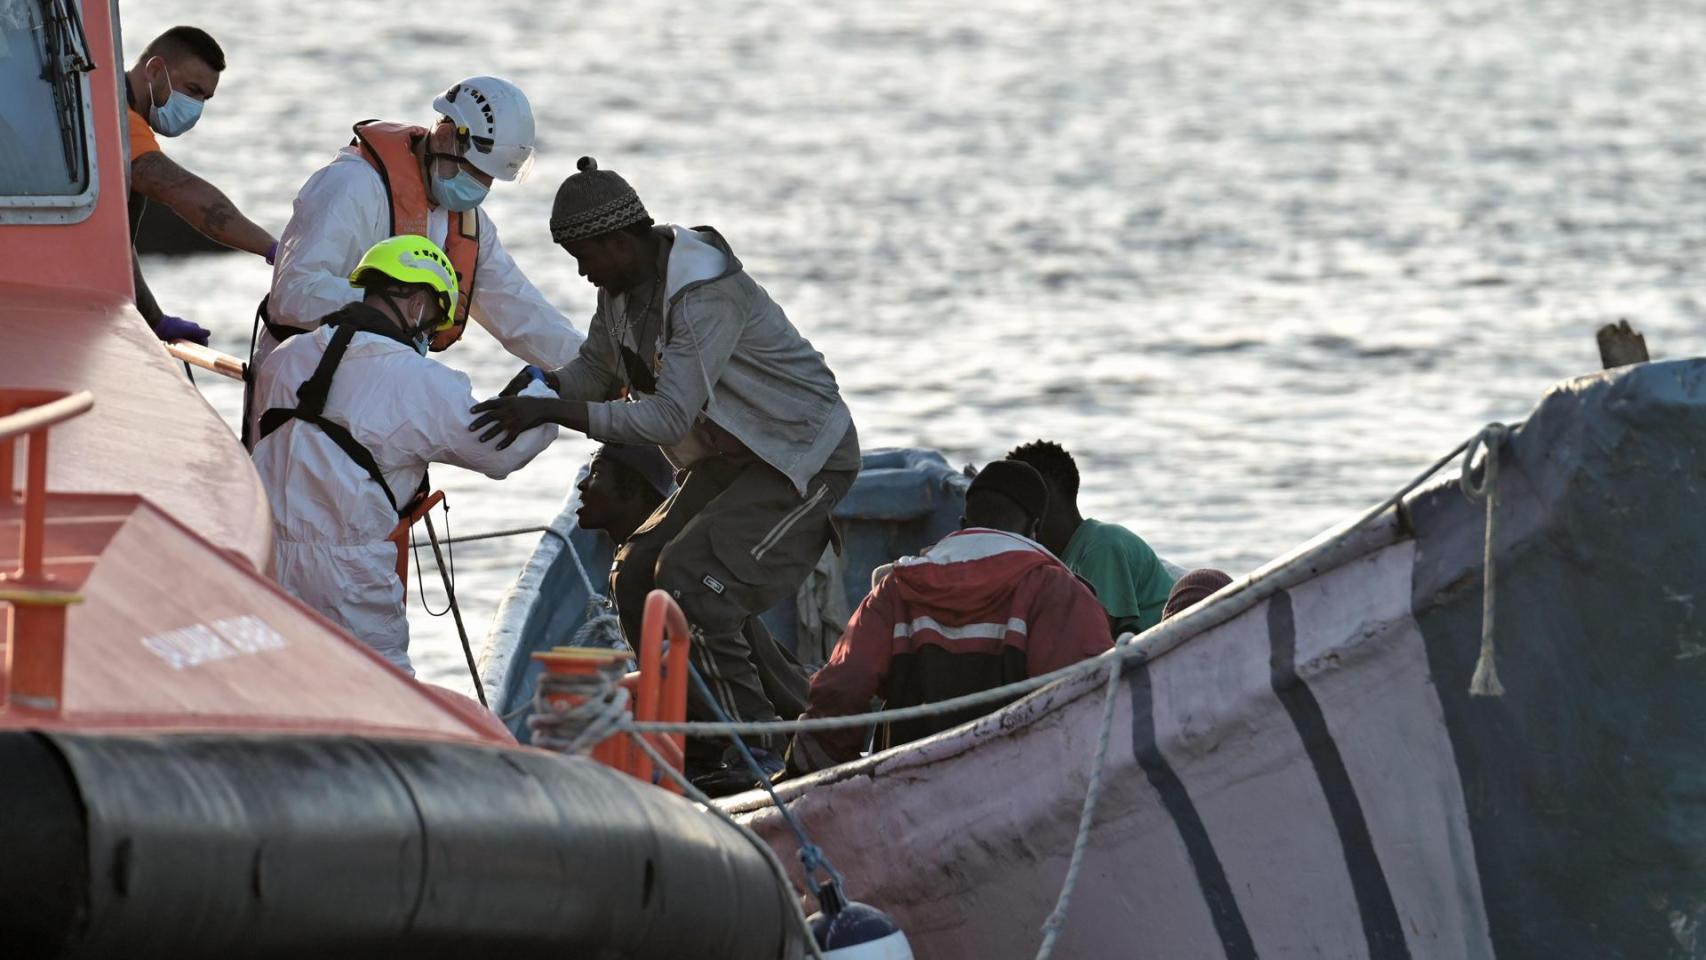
point(201, 845)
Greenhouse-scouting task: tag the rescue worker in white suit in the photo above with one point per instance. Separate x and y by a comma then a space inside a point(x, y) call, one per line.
point(396, 179)
point(354, 413)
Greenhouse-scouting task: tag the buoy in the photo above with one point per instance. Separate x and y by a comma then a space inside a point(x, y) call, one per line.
point(850, 930)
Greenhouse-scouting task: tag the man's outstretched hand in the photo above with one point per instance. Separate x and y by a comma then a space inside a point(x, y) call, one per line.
point(510, 417)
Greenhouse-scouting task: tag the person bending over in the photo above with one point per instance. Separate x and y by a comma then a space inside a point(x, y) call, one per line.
point(355, 411)
point(166, 89)
point(432, 180)
point(983, 607)
point(688, 353)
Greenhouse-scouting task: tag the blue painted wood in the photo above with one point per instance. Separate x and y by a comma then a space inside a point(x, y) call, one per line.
point(1584, 781)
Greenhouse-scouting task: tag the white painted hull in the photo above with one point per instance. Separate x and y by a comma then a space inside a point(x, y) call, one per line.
point(1296, 769)
point(965, 837)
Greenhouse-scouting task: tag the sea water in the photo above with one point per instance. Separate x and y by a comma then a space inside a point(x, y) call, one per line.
point(1255, 262)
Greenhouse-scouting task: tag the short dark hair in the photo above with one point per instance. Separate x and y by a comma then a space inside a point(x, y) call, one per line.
point(1052, 461)
point(998, 511)
point(191, 40)
point(633, 483)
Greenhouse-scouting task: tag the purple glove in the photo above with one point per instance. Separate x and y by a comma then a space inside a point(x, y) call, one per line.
point(272, 253)
point(177, 328)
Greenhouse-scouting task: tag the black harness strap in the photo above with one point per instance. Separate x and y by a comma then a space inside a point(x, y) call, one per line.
point(280, 331)
point(311, 397)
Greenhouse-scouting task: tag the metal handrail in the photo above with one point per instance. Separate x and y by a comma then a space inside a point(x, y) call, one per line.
point(207, 358)
point(43, 415)
point(35, 632)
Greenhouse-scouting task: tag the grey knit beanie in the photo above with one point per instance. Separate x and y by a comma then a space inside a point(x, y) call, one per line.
point(593, 202)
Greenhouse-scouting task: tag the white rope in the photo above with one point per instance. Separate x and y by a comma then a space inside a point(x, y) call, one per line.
point(813, 724)
point(580, 568)
point(1121, 652)
point(1056, 921)
point(1485, 682)
point(698, 796)
point(600, 627)
point(575, 712)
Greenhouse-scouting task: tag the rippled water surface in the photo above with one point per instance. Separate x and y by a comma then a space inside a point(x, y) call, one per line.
point(1255, 262)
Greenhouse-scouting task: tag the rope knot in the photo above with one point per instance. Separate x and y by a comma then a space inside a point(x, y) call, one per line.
point(1485, 682)
point(811, 858)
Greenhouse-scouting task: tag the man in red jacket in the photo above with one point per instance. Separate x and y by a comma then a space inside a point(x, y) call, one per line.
point(984, 606)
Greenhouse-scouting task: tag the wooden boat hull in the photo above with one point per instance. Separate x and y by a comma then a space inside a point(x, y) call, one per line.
point(1306, 774)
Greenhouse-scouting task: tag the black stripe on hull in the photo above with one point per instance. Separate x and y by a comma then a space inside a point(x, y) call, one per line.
point(1380, 924)
point(1211, 876)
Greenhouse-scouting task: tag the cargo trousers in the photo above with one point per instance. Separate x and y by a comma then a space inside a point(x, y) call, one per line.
point(732, 541)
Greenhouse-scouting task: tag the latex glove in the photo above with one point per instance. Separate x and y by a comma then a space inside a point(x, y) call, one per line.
point(271, 254)
point(177, 328)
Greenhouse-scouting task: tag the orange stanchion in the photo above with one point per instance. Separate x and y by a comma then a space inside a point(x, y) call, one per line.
point(664, 643)
point(588, 662)
point(658, 688)
point(35, 648)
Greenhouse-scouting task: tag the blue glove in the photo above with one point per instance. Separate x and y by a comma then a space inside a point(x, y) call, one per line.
point(177, 328)
point(537, 375)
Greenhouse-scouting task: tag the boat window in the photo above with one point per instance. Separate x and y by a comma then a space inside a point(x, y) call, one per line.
point(46, 144)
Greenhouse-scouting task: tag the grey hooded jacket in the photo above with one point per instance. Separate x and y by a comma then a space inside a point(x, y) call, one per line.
point(729, 354)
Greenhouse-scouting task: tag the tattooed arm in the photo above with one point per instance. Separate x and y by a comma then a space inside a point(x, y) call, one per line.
point(200, 204)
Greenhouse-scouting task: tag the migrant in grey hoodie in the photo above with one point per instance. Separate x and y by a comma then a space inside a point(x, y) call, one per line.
point(729, 353)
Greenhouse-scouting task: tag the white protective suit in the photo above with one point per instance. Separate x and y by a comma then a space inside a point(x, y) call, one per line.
point(342, 211)
point(330, 519)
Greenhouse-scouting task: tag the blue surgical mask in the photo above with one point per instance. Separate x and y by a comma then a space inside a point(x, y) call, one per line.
point(177, 115)
point(460, 193)
point(423, 332)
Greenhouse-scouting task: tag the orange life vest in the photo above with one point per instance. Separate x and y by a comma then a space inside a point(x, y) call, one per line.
point(390, 148)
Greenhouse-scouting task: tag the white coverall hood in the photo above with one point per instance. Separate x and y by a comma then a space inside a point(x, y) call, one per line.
point(330, 520)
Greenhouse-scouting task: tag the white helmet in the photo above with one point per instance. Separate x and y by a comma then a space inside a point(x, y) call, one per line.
point(497, 120)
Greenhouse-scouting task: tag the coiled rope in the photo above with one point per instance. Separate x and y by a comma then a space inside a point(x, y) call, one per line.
point(572, 713)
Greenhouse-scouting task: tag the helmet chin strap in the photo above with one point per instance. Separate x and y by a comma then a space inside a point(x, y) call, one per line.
point(416, 329)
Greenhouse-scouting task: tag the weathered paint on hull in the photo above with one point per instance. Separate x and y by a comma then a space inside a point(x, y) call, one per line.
point(1310, 777)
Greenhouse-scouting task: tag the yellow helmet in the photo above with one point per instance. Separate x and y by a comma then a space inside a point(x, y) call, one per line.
point(409, 258)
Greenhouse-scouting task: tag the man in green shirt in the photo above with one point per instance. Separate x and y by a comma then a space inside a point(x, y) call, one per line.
point(1130, 580)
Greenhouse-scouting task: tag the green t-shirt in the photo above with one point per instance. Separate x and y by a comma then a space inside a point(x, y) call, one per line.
point(1128, 576)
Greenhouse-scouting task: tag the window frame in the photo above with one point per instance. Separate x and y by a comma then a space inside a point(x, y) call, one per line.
point(66, 208)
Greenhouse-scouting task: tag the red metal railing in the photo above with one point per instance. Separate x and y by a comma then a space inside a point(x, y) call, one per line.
point(662, 697)
point(36, 631)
